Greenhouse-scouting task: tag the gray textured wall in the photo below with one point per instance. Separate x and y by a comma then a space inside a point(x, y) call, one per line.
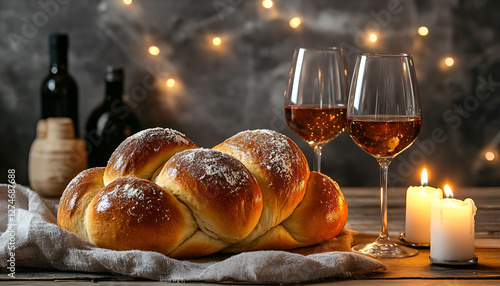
point(239, 85)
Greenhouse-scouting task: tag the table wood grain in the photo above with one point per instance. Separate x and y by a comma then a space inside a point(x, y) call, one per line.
point(364, 217)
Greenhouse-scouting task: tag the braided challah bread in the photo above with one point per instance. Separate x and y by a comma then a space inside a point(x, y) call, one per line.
point(160, 192)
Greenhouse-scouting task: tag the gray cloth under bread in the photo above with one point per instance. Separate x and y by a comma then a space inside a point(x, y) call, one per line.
point(29, 233)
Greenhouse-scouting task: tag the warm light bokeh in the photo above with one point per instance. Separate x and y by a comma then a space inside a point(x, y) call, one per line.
point(216, 41)
point(154, 50)
point(449, 61)
point(170, 82)
point(373, 38)
point(267, 4)
point(295, 22)
point(128, 2)
point(423, 31)
point(490, 156)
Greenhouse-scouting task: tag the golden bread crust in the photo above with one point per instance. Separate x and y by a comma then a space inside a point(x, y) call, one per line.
point(222, 194)
point(141, 154)
point(133, 213)
point(281, 170)
point(76, 198)
point(160, 192)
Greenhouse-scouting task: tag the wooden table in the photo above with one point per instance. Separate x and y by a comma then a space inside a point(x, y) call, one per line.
point(364, 217)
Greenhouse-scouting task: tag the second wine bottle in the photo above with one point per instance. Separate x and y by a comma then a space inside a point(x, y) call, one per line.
point(111, 122)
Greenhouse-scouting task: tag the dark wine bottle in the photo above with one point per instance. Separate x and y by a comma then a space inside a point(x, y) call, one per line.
point(111, 122)
point(59, 92)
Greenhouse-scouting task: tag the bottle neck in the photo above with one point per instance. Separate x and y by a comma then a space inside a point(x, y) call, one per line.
point(58, 60)
point(114, 91)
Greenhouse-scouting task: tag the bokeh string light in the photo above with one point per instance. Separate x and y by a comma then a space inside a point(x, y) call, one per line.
point(295, 22)
point(170, 82)
point(449, 61)
point(154, 50)
point(489, 156)
point(423, 31)
point(216, 41)
point(268, 4)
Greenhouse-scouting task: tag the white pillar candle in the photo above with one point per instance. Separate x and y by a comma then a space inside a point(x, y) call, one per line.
point(452, 230)
point(418, 213)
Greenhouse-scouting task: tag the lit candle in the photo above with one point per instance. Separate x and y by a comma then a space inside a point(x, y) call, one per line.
point(452, 229)
point(418, 214)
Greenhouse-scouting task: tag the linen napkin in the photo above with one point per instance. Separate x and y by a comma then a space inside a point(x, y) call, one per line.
point(28, 223)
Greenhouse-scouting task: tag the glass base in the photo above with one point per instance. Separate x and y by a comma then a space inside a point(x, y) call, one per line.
point(402, 240)
point(385, 249)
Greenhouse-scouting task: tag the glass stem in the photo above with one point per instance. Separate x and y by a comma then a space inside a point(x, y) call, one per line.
point(384, 170)
point(318, 149)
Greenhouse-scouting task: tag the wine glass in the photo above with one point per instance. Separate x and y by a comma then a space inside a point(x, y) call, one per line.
point(384, 118)
point(316, 97)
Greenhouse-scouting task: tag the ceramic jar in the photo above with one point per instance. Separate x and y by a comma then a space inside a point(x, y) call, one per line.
point(55, 157)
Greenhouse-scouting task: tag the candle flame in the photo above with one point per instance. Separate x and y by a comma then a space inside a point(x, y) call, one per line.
point(447, 191)
point(423, 179)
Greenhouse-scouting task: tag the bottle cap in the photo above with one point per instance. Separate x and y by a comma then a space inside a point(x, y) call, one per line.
point(115, 74)
point(58, 40)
